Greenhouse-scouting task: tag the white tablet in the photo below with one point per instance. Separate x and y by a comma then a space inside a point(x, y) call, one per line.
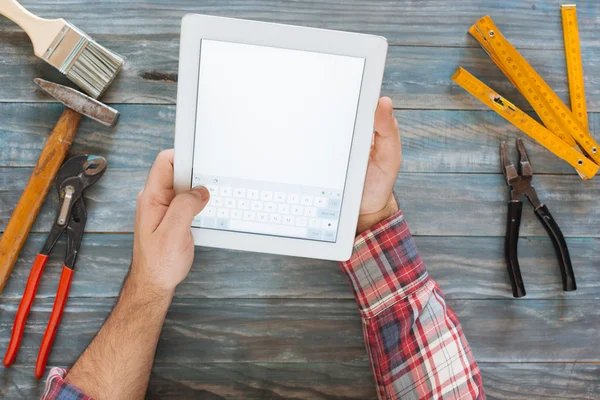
point(277, 122)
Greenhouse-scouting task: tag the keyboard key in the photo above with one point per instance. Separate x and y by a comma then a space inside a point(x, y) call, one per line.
point(275, 218)
point(230, 203)
point(280, 197)
point(197, 221)
point(213, 190)
point(327, 224)
point(257, 227)
point(328, 214)
point(222, 224)
point(252, 194)
point(239, 193)
point(256, 206)
point(249, 215)
point(329, 236)
point(216, 201)
point(335, 203)
point(270, 207)
point(225, 191)
point(236, 214)
point(262, 217)
point(288, 220)
point(310, 212)
point(301, 221)
point(314, 234)
point(243, 204)
point(266, 195)
point(208, 222)
point(209, 212)
point(283, 209)
point(297, 210)
point(314, 222)
point(321, 202)
point(293, 198)
point(307, 200)
point(222, 213)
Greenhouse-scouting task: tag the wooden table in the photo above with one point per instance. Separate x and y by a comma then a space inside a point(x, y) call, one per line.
point(265, 326)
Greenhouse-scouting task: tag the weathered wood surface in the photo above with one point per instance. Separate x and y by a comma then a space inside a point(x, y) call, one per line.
point(265, 326)
point(415, 77)
point(329, 381)
point(433, 140)
point(301, 381)
point(410, 23)
point(279, 330)
point(465, 268)
point(434, 203)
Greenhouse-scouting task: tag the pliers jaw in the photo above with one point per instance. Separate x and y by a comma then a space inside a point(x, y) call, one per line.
point(76, 175)
point(519, 180)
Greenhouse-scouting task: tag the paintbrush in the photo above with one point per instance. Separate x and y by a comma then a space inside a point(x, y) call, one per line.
point(91, 66)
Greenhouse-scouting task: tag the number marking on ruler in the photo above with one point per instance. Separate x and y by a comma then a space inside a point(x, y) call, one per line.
point(574, 64)
point(524, 122)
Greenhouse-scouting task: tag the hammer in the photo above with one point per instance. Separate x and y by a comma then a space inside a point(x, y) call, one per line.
point(53, 154)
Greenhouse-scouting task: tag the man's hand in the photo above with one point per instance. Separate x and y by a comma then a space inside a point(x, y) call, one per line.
point(163, 248)
point(378, 201)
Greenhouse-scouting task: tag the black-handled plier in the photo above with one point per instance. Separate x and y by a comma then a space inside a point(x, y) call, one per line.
point(520, 183)
point(75, 175)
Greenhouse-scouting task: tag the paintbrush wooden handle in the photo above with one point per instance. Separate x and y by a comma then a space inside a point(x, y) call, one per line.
point(53, 154)
point(41, 31)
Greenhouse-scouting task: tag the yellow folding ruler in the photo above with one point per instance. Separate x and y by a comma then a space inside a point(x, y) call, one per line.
point(565, 133)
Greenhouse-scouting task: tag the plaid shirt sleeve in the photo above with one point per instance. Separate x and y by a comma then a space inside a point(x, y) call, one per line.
point(414, 340)
point(59, 389)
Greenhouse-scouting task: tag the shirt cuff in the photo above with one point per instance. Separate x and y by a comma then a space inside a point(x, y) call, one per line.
point(59, 389)
point(385, 266)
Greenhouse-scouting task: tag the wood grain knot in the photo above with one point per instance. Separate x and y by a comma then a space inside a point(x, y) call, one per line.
point(159, 76)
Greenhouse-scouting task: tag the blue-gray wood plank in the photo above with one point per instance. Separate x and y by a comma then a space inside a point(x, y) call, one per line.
point(265, 326)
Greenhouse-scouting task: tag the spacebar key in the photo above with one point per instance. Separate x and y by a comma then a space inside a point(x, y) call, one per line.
point(269, 229)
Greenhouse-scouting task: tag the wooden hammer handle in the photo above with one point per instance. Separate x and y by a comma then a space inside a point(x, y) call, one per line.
point(53, 154)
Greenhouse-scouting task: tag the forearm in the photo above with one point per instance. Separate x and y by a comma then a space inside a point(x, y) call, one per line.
point(117, 363)
point(414, 340)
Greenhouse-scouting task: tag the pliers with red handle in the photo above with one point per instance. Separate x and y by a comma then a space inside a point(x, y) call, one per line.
point(520, 183)
point(75, 175)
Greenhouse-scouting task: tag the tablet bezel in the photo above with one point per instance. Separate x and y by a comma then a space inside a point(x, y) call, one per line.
point(373, 49)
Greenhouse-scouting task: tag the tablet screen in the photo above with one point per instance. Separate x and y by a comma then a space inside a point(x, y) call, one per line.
point(272, 139)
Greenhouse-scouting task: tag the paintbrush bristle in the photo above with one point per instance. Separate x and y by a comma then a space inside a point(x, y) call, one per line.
point(91, 66)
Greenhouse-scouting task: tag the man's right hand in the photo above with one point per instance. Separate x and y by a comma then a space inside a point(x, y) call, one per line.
point(163, 249)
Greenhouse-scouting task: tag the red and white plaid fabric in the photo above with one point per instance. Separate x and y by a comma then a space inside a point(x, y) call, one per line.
point(415, 343)
point(59, 389)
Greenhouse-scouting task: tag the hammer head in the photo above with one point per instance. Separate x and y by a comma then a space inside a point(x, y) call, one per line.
point(80, 102)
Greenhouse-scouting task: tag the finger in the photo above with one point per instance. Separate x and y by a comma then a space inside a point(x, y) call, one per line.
point(154, 199)
point(387, 149)
point(185, 206)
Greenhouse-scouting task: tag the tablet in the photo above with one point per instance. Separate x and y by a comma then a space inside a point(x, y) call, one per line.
point(277, 122)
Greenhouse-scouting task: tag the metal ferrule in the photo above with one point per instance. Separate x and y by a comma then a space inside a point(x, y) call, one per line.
point(66, 48)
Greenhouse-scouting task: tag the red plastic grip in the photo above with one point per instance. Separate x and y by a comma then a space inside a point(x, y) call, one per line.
point(24, 307)
point(55, 317)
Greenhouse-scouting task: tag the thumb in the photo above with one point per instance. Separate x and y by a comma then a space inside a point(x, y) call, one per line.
point(385, 122)
point(184, 207)
point(387, 145)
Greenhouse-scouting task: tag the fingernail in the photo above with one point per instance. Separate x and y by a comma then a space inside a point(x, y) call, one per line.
point(203, 191)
